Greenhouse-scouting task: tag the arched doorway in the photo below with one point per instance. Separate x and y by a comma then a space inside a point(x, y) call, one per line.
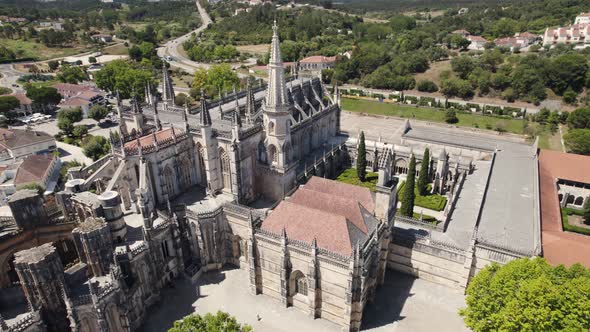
point(185, 173)
point(401, 166)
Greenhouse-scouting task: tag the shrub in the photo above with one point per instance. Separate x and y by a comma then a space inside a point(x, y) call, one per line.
point(426, 86)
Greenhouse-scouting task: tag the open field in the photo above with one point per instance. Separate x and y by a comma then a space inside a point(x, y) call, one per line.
point(433, 73)
point(118, 49)
point(254, 49)
point(427, 114)
point(31, 49)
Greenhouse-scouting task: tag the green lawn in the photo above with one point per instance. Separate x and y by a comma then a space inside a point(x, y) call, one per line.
point(434, 202)
point(349, 176)
point(565, 212)
point(433, 115)
point(425, 218)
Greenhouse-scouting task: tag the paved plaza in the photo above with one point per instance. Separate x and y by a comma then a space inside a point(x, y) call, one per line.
point(402, 304)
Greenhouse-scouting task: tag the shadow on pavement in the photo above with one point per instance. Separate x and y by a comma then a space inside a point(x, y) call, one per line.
point(390, 299)
point(178, 301)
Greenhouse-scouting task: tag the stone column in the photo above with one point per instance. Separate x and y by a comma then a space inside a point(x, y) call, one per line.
point(284, 270)
point(312, 281)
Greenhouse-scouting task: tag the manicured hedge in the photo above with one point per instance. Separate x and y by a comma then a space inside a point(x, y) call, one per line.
point(433, 201)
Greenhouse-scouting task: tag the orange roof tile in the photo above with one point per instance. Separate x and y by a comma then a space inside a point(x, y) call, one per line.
point(561, 247)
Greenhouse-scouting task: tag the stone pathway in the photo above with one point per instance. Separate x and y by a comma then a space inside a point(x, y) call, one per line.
point(402, 304)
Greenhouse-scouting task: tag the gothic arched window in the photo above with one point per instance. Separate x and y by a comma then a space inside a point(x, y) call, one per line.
point(169, 181)
point(273, 156)
point(202, 170)
point(185, 172)
point(225, 169)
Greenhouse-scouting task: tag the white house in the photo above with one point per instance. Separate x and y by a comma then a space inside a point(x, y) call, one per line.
point(477, 43)
point(583, 18)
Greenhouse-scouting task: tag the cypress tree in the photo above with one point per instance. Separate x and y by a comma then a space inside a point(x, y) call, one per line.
point(407, 208)
point(424, 174)
point(361, 159)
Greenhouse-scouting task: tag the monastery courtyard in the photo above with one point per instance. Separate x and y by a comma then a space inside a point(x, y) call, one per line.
point(401, 304)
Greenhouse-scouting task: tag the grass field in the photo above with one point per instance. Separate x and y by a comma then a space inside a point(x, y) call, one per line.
point(118, 49)
point(428, 114)
point(433, 201)
point(254, 49)
point(433, 73)
point(32, 49)
point(349, 176)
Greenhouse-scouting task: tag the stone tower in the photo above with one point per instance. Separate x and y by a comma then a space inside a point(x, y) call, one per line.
point(94, 245)
point(27, 209)
point(277, 109)
point(113, 214)
point(41, 275)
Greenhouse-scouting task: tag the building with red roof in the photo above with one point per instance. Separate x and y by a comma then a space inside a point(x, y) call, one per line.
point(564, 182)
point(317, 63)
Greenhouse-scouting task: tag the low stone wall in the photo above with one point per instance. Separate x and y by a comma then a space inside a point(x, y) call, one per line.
point(427, 260)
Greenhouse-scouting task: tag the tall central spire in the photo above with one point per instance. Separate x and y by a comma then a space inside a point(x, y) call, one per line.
point(276, 95)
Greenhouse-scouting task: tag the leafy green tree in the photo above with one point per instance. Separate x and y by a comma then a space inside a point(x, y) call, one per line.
point(424, 176)
point(578, 141)
point(66, 119)
point(426, 86)
point(567, 71)
point(95, 147)
point(407, 208)
point(42, 96)
point(221, 321)
point(69, 74)
point(528, 294)
point(222, 77)
point(579, 119)
point(80, 131)
point(463, 65)
point(181, 99)
point(53, 65)
point(451, 116)
point(121, 76)
point(361, 159)
point(456, 87)
point(8, 103)
point(92, 59)
point(98, 112)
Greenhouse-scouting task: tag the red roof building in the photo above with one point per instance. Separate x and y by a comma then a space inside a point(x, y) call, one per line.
point(336, 214)
point(559, 246)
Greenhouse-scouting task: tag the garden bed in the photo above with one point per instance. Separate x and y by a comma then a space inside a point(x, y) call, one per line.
point(431, 201)
point(349, 176)
point(565, 212)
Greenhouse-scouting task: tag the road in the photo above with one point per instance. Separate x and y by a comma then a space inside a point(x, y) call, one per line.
point(9, 77)
point(170, 49)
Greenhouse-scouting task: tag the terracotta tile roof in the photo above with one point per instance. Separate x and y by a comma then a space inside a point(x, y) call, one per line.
point(148, 140)
point(304, 224)
point(561, 247)
point(75, 101)
point(72, 87)
point(318, 59)
point(14, 138)
point(476, 39)
point(23, 99)
point(336, 214)
point(33, 169)
point(350, 191)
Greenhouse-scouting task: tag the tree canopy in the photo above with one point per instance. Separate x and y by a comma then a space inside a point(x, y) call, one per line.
point(407, 207)
point(220, 322)
point(8, 103)
point(216, 80)
point(361, 159)
point(70, 74)
point(121, 76)
point(43, 96)
point(579, 119)
point(95, 147)
point(528, 295)
point(578, 141)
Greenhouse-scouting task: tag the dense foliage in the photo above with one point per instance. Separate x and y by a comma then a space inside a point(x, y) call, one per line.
point(409, 195)
point(424, 177)
point(361, 159)
point(529, 295)
point(124, 77)
point(214, 81)
point(95, 147)
point(221, 321)
point(42, 97)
